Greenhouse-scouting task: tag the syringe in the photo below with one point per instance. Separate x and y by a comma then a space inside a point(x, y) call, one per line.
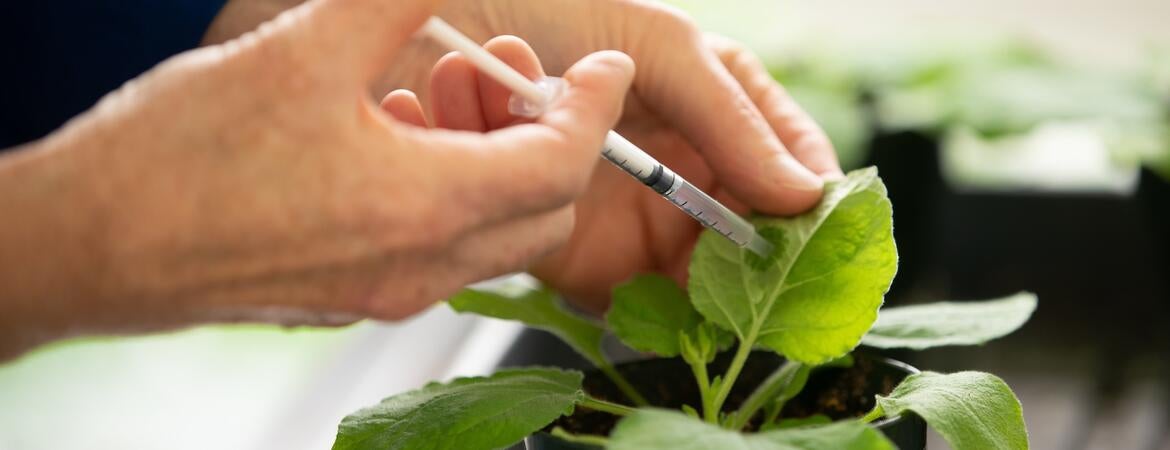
point(530, 99)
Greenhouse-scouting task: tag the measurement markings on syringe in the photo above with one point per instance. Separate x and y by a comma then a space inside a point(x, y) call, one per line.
point(709, 223)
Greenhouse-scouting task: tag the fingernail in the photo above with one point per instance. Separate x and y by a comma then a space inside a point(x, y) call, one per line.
point(833, 175)
point(795, 176)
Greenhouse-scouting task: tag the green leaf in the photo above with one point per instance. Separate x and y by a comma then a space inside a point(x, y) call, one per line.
point(537, 308)
point(467, 413)
point(795, 386)
point(652, 429)
point(820, 291)
point(971, 410)
point(815, 419)
point(844, 361)
point(950, 323)
point(701, 344)
point(649, 312)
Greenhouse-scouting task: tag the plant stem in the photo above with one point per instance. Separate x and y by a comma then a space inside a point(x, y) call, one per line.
point(773, 410)
point(623, 384)
point(769, 390)
point(741, 355)
point(588, 439)
point(874, 414)
point(699, 368)
point(597, 404)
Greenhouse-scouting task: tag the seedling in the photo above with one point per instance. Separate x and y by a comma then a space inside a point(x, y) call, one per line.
point(813, 302)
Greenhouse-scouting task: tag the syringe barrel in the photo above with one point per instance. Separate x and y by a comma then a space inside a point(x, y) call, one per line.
point(631, 159)
point(715, 216)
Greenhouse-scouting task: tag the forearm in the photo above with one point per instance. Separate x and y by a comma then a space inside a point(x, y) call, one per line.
point(51, 259)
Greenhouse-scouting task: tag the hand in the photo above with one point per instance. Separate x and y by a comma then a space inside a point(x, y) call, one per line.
point(257, 180)
point(701, 104)
point(622, 225)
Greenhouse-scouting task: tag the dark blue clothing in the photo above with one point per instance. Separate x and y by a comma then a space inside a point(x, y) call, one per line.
point(58, 57)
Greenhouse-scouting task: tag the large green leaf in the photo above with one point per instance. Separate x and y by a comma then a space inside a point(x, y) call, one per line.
point(654, 429)
point(950, 323)
point(971, 410)
point(820, 291)
point(537, 308)
point(467, 413)
point(649, 313)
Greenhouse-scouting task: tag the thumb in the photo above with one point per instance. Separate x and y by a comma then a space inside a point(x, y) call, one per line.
point(541, 166)
point(593, 103)
point(355, 35)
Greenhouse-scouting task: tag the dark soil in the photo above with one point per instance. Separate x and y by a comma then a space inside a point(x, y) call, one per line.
point(835, 392)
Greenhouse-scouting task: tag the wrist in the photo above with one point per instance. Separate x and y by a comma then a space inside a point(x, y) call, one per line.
point(50, 252)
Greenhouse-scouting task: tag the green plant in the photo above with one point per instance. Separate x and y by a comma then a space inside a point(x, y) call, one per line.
point(993, 92)
point(813, 301)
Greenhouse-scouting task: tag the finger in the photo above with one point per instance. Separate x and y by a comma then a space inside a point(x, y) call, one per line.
point(797, 130)
point(494, 96)
point(513, 245)
point(404, 107)
point(539, 166)
point(495, 250)
point(358, 37)
point(593, 104)
point(455, 94)
point(707, 104)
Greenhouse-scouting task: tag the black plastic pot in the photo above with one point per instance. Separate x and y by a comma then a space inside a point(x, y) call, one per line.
point(908, 163)
point(668, 383)
point(1076, 250)
point(1155, 193)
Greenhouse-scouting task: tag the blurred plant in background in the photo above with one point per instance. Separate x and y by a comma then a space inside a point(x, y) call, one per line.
point(1001, 105)
point(981, 99)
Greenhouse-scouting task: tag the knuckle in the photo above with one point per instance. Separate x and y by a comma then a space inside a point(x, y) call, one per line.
point(721, 44)
point(775, 97)
point(614, 64)
point(815, 140)
point(673, 22)
point(738, 59)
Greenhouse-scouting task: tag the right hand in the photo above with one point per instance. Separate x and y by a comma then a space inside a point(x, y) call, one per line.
point(258, 180)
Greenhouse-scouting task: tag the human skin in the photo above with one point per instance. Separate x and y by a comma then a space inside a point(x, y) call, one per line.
point(257, 180)
point(702, 104)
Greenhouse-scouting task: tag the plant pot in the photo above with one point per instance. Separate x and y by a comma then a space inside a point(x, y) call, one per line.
point(1077, 249)
point(1155, 194)
point(908, 163)
point(836, 392)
